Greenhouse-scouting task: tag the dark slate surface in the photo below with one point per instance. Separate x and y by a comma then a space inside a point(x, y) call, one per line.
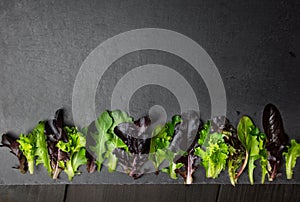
point(254, 44)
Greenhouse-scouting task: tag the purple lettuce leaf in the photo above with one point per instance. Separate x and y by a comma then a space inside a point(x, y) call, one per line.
point(185, 139)
point(277, 140)
point(138, 142)
point(11, 142)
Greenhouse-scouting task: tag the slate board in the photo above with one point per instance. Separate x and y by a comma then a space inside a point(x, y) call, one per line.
point(254, 45)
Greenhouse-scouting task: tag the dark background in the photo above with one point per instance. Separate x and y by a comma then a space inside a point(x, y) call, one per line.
point(255, 45)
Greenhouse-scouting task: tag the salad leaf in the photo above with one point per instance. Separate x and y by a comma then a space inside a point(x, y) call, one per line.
point(118, 117)
point(214, 150)
point(106, 139)
point(277, 138)
point(291, 156)
point(54, 132)
point(138, 143)
point(160, 141)
point(54, 128)
point(11, 142)
point(28, 148)
point(91, 163)
point(214, 156)
point(76, 149)
point(254, 142)
point(186, 165)
point(113, 141)
point(41, 148)
point(168, 155)
point(103, 124)
point(185, 140)
point(236, 151)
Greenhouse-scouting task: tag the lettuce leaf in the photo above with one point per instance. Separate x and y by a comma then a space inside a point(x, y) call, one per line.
point(55, 132)
point(277, 139)
point(160, 141)
point(184, 143)
point(214, 156)
point(103, 124)
point(254, 142)
point(11, 142)
point(172, 167)
point(106, 140)
point(28, 146)
point(76, 148)
point(134, 136)
point(113, 141)
point(291, 156)
point(41, 148)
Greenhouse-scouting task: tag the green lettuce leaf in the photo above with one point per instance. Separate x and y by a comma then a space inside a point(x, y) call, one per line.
point(291, 156)
point(254, 142)
point(160, 141)
point(103, 124)
point(168, 155)
point(235, 160)
point(204, 133)
point(106, 139)
point(77, 159)
point(76, 148)
point(214, 156)
point(41, 148)
point(113, 141)
point(28, 146)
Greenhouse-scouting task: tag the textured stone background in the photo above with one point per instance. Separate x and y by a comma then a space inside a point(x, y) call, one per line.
point(254, 44)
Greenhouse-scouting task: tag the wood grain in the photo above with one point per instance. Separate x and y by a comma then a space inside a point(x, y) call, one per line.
point(26, 193)
point(249, 193)
point(143, 193)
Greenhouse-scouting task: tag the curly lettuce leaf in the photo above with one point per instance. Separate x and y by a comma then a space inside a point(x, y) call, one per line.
point(204, 133)
point(291, 156)
point(28, 146)
point(214, 156)
point(76, 148)
point(76, 141)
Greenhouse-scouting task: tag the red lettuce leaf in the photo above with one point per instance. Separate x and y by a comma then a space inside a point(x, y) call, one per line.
point(13, 145)
point(138, 142)
point(54, 132)
point(185, 139)
point(277, 140)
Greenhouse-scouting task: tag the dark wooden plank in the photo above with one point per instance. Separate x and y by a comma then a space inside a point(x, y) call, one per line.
point(259, 193)
point(30, 193)
point(143, 193)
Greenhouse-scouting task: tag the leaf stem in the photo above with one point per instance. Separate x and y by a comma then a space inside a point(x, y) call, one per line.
point(243, 166)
